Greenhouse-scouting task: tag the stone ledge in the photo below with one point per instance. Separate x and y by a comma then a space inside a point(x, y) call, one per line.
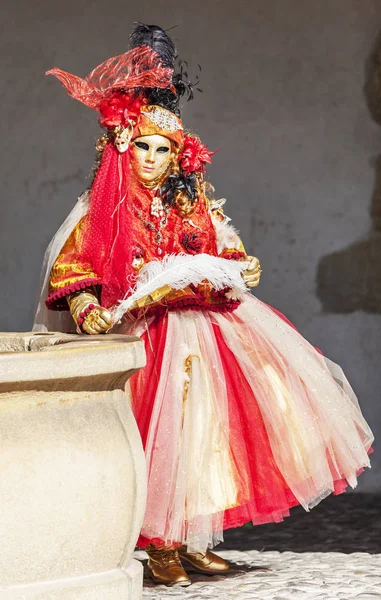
point(57, 361)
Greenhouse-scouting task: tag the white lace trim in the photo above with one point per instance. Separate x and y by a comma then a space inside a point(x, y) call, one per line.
point(163, 119)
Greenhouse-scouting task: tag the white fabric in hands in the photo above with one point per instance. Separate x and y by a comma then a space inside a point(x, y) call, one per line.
point(179, 271)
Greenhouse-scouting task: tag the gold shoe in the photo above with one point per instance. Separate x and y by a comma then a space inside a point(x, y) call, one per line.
point(164, 566)
point(207, 562)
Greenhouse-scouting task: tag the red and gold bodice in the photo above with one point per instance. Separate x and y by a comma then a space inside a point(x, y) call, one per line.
point(155, 232)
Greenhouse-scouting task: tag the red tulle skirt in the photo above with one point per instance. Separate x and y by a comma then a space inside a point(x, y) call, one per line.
point(241, 419)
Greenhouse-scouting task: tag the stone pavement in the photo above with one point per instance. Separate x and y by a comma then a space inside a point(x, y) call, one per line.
point(331, 553)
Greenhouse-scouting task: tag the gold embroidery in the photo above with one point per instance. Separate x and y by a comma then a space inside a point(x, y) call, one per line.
point(68, 270)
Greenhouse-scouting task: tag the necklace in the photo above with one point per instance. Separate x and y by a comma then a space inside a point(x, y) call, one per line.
point(157, 210)
point(152, 227)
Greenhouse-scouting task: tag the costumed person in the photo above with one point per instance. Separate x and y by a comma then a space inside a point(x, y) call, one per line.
point(240, 417)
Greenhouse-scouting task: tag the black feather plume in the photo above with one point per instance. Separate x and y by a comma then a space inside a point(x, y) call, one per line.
point(157, 39)
point(177, 183)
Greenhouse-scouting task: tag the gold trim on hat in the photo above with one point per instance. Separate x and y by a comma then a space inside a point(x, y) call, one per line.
point(162, 118)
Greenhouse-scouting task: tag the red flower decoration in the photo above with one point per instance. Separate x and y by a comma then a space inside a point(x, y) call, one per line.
point(191, 243)
point(119, 108)
point(194, 155)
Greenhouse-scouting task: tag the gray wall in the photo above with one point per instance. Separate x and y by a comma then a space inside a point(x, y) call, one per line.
point(283, 97)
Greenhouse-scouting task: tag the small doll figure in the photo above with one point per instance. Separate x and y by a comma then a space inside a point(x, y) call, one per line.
point(240, 417)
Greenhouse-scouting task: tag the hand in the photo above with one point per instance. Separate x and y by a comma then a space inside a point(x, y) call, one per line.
point(252, 274)
point(97, 321)
point(94, 321)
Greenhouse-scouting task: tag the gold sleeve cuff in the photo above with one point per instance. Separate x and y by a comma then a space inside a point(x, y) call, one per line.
point(69, 274)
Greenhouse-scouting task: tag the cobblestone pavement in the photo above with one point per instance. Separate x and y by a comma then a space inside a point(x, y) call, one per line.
point(331, 553)
point(283, 576)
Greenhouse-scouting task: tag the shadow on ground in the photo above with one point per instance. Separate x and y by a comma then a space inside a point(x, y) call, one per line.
point(236, 570)
point(347, 523)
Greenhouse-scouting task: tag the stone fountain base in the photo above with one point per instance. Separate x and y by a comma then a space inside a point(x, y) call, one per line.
point(72, 468)
point(119, 584)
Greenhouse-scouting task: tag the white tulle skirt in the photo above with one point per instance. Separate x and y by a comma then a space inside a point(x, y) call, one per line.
point(241, 419)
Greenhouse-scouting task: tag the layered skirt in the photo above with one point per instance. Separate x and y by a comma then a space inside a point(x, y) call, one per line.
point(241, 419)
